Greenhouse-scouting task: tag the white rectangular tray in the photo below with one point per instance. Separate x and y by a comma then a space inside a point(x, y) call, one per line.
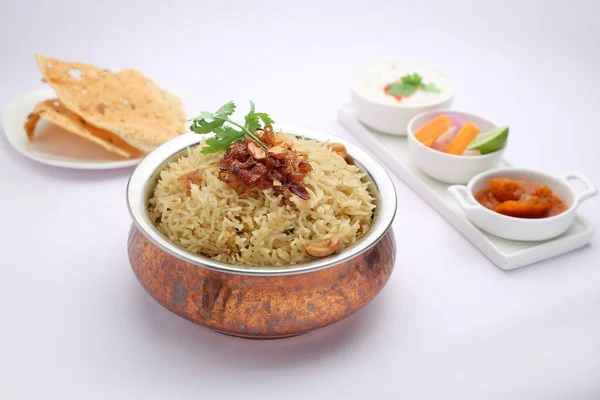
point(505, 254)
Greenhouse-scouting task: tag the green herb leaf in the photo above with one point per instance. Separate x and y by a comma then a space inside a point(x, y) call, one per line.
point(213, 145)
point(226, 109)
point(203, 126)
point(265, 118)
point(228, 135)
point(412, 79)
point(431, 88)
point(401, 89)
point(252, 121)
point(225, 135)
point(409, 84)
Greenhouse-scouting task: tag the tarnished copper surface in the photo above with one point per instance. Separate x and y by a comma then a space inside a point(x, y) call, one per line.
point(261, 306)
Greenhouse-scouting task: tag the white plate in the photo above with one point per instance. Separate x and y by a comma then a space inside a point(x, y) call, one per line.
point(53, 145)
point(505, 254)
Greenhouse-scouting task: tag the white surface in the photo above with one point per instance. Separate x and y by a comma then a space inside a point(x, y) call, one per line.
point(541, 229)
point(505, 254)
point(75, 324)
point(442, 166)
point(53, 145)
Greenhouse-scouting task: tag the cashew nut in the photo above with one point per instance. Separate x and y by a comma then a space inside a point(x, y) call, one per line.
point(324, 248)
point(338, 148)
point(257, 152)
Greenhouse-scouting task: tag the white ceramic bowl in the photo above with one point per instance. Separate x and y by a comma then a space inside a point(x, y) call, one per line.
point(523, 229)
point(381, 112)
point(445, 167)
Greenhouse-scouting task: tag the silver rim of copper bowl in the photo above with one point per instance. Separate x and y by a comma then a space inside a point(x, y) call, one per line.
point(143, 180)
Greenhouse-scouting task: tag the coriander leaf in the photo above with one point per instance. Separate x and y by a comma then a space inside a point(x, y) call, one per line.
point(252, 122)
point(206, 115)
point(226, 109)
point(401, 89)
point(224, 136)
point(200, 125)
point(253, 119)
point(265, 118)
point(213, 145)
point(226, 132)
point(412, 79)
point(431, 88)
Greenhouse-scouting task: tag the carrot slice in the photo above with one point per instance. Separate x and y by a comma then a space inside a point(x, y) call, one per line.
point(429, 141)
point(433, 129)
point(463, 138)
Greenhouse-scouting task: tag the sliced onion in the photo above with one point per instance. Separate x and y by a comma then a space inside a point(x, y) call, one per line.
point(444, 140)
point(471, 153)
point(457, 121)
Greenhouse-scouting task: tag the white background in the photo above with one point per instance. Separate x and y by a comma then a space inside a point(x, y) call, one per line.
point(74, 322)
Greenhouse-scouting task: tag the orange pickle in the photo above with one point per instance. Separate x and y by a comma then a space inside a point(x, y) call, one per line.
point(520, 199)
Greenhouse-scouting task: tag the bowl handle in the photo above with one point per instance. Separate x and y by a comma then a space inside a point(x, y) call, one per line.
point(589, 190)
point(461, 195)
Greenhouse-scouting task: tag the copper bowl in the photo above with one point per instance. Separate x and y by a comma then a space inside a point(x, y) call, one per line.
point(259, 302)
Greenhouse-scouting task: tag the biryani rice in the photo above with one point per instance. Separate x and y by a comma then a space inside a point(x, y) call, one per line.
point(269, 228)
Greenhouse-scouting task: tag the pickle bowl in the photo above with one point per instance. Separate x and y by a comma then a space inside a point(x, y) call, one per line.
point(523, 229)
